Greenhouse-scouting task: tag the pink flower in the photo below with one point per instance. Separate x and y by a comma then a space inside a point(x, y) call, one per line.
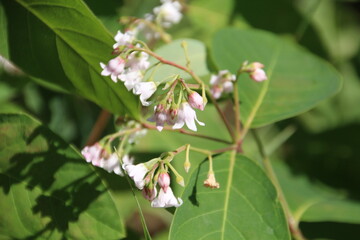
point(187, 115)
point(166, 199)
point(114, 68)
point(196, 101)
point(164, 181)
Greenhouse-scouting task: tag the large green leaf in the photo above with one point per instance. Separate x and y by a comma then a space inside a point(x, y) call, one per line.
point(60, 44)
point(175, 53)
point(245, 207)
point(297, 80)
point(47, 190)
point(312, 202)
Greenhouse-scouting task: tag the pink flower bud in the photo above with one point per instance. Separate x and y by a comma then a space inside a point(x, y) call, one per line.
point(149, 193)
point(164, 181)
point(258, 75)
point(196, 101)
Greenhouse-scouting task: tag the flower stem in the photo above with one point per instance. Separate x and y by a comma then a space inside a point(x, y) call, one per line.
point(237, 111)
point(183, 131)
point(292, 222)
point(99, 127)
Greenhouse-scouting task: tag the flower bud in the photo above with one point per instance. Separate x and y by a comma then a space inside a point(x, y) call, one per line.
point(187, 166)
point(258, 75)
point(164, 181)
point(180, 180)
point(196, 101)
point(149, 193)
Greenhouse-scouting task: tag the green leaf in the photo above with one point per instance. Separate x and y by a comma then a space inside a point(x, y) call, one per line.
point(245, 206)
point(312, 202)
point(60, 44)
point(297, 80)
point(47, 188)
point(174, 52)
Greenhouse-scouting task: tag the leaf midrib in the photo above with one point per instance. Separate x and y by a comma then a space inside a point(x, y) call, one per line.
point(227, 196)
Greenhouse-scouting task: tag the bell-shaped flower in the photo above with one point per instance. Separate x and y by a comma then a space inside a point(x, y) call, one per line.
point(145, 90)
point(160, 117)
point(137, 173)
point(114, 68)
point(164, 181)
point(138, 61)
point(196, 101)
point(124, 39)
point(211, 181)
point(166, 199)
point(131, 78)
point(168, 13)
point(187, 115)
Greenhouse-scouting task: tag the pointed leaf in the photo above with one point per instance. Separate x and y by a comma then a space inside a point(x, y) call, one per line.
point(47, 190)
point(245, 206)
point(60, 44)
point(298, 80)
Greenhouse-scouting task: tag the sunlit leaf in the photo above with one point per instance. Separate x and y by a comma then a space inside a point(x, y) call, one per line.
point(60, 44)
point(297, 80)
point(245, 206)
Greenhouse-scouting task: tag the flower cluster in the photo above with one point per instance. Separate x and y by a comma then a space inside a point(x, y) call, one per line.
point(163, 16)
point(150, 176)
point(129, 67)
point(177, 115)
point(222, 82)
point(103, 158)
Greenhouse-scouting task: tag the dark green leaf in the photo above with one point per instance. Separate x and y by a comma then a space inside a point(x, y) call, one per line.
point(47, 190)
point(245, 207)
point(297, 80)
point(60, 44)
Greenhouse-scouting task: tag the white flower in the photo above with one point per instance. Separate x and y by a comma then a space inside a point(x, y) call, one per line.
point(124, 39)
point(138, 61)
point(187, 115)
point(114, 68)
point(131, 78)
point(168, 13)
point(137, 173)
point(145, 90)
point(196, 101)
point(166, 199)
point(148, 32)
